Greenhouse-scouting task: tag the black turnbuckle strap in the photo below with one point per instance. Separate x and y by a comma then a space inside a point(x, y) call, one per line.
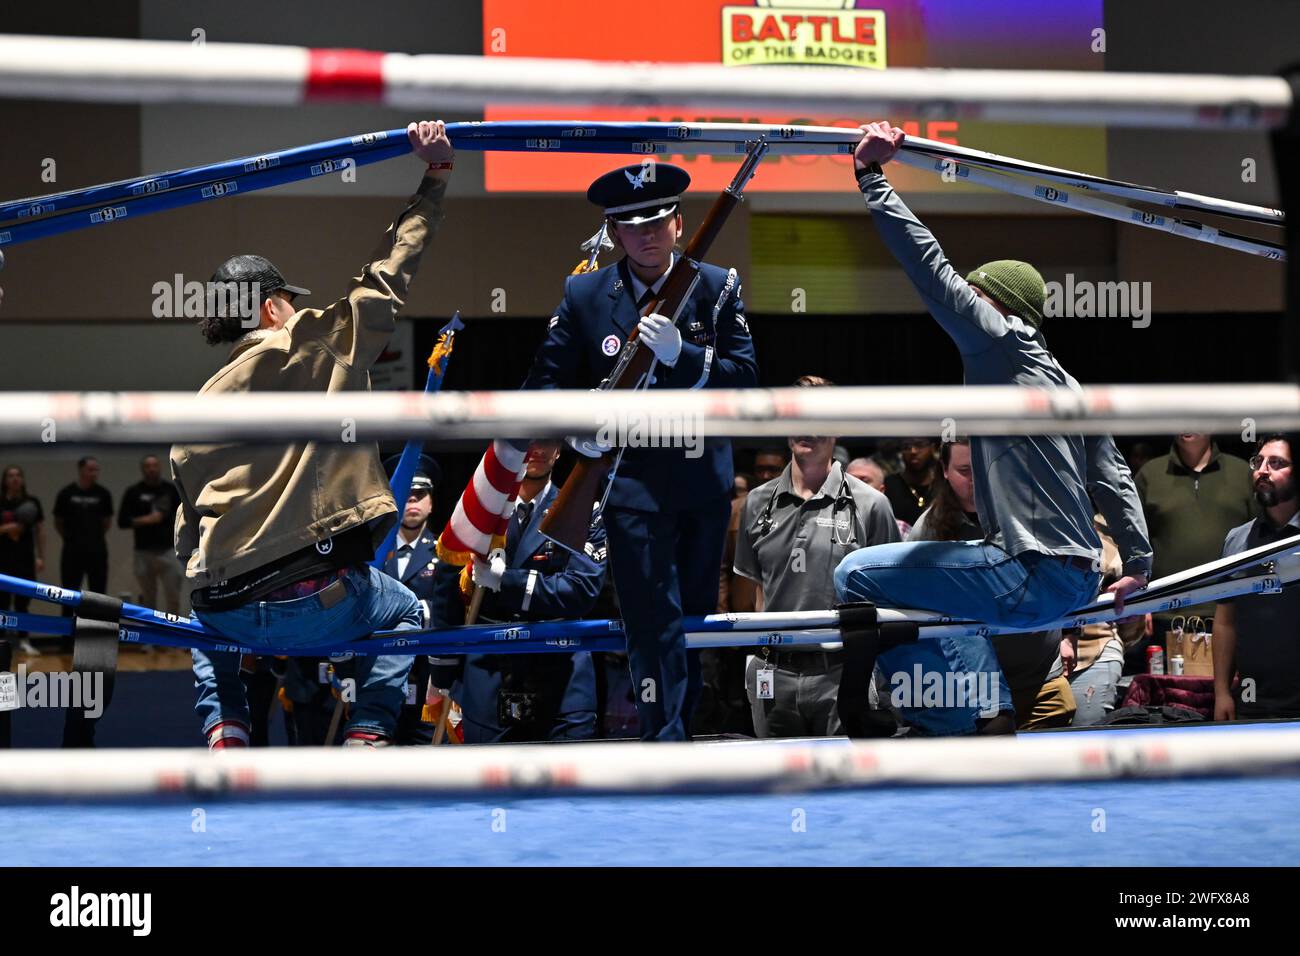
point(864, 638)
point(94, 652)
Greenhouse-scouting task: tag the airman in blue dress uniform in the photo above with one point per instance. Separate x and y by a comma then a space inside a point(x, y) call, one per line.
point(667, 512)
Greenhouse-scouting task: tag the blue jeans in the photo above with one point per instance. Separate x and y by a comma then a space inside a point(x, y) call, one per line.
point(1094, 692)
point(932, 703)
point(962, 579)
point(373, 602)
point(966, 579)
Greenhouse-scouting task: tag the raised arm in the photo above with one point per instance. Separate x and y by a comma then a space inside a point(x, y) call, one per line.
point(358, 326)
point(972, 323)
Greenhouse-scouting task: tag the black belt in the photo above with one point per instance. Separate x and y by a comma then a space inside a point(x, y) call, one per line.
point(828, 658)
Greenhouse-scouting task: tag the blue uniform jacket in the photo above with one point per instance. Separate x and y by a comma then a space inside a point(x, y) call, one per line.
point(543, 581)
point(419, 575)
point(583, 342)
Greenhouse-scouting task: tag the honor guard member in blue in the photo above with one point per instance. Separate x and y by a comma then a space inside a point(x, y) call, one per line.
point(668, 508)
point(412, 561)
point(532, 697)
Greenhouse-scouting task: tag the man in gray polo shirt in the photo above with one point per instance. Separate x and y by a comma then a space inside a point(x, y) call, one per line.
point(1256, 635)
point(794, 531)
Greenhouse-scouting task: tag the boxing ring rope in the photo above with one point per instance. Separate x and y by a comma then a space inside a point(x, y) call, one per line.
point(641, 768)
point(1080, 202)
point(157, 71)
point(39, 217)
point(667, 417)
point(1215, 581)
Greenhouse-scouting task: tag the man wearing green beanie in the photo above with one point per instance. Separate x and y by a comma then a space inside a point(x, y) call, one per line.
point(1040, 556)
point(1014, 284)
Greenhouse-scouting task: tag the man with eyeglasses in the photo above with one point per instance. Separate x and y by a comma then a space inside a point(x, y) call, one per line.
point(1255, 636)
point(277, 539)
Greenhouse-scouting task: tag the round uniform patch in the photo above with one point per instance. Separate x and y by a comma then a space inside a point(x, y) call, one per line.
point(611, 345)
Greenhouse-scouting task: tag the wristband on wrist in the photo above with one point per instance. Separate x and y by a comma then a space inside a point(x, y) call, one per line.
point(867, 170)
point(436, 166)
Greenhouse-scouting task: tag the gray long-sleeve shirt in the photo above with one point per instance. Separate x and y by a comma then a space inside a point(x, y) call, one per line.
point(1031, 492)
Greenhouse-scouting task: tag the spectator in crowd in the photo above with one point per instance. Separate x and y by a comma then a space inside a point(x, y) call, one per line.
point(887, 455)
point(794, 531)
point(1255, 635)
point(868, 471)
point(743, 484)
point(1191, 498)
point(1094, 656)
point(768, 464)
point(22, 543)
point(951, 516)
point(912, 489)
point(83, 513)
point(149, 510)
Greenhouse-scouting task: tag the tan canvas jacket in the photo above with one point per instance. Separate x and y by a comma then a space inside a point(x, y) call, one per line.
point(245, 506)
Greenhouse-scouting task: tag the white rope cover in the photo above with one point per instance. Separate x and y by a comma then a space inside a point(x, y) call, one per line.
point(670, 414)
point(115, 70)
point(646, 768)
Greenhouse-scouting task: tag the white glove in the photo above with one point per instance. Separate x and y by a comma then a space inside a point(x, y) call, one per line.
point(488, 573)
point(587, 447)
point(662, 336)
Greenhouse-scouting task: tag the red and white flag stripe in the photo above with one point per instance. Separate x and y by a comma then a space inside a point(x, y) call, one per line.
point(485, 506)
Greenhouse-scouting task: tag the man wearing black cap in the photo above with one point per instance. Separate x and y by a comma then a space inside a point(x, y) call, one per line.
point(666, 516)
point(276, 539)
